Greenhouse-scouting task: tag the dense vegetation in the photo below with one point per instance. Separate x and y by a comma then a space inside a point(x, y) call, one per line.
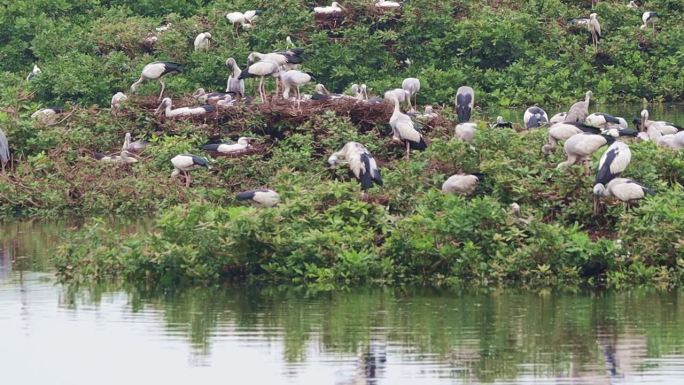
point(512, 53)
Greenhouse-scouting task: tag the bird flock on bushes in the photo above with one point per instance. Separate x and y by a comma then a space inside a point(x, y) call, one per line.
point(582, 132)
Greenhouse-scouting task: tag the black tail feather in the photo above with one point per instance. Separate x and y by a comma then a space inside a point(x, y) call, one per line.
point(418, 145)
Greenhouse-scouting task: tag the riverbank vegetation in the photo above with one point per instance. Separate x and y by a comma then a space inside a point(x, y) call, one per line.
point(326, 232)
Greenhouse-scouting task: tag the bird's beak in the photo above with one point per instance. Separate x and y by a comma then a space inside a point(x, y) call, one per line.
point(158, 110)
point(342, 8)
point(597, 205)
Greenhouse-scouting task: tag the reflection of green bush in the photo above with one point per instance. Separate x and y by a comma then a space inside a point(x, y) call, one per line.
point(512, 53)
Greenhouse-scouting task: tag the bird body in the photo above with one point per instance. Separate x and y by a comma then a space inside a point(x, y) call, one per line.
point(558, 118)
point(155, 71)
point(594, 29)
point(4, 149)
point(613, 162)
point(296, 79)
point(465, 100)
point(396, 93)
point(665, 128)
point(579, 111)
point(261, 69)
point(623, 189)
point(411, 86)
point(287, 59)
point(535, 117)
point(361, 163)
point(211, 97)
point(463, 184)
point(244, 20)
point(649, 17)
point(387, 4)
point(229, 148)
point(202, 41)
point(167, 106)
point(581, 146)
point(47, 115)
point(185, 162)
point(403, 130)
point(118, 99)
point(465, 131)
point(563, 131)
point(333, 8)
point(260, 198)
point(501, 123)
point(35, 72)
point(605, 121)
point(674, 141)
point(234, 84)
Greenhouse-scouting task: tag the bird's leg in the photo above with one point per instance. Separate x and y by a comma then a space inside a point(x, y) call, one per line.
point(187, 179)
point(597, 207)
point(261, 92)
point(408, 150)
point(162, 89)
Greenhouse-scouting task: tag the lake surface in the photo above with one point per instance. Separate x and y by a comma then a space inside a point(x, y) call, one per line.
point(53, 334)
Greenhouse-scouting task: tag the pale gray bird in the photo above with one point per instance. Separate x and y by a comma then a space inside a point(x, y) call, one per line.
point(580, 147)
point(398, 93)
point(594, 29)
point(294, 79)
point(334, 8)
point(118, 100)
point(260, 198)
point(535, 117)
point(665, 128)
point(463, 184)
point(465, 101)
point(202, 41)
point(579, 111)
point(465, 131)
point(185, 162)
point(412, 86)
point(649, 17)
point(261, 69)
point(563, 131)
point(155, 71)
point(558, 118)
point(229, 148)
point(170, 112)
point(234, 84)
point(623, 189)
point(606, 121)
point(612, 163)
point(4, 150)
point(403, 130)
point(361, 163)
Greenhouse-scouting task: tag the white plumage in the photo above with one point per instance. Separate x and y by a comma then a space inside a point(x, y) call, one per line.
point(260, 198)
point(155, 71)
point(594, 29)
point(649, 17)
point(296, 79)
point(623, 189)
point(4, 150)
point(229, 148)
point(234, 84)
point(185, 162)
point(465, 131)
point(558, 132)
point(673, 141)
point(535, 117)
point(403, 131)
point(202, 41)
point(118, 100)
point(47, 115)
point(35, 72)
point(579, 111)
point(387, 4)
point(460, 184)
point(333, 8)
point(361, 163)
point(579, 147)
point(665, 128)
point(411, 86)
point(167, 106)
point(211, 97)
point(261, 69)
point(606, 121)
point(244, 20)
point(558, 118)
point(396, 93)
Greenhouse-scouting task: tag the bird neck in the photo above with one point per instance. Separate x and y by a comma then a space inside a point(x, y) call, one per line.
point(396, 106)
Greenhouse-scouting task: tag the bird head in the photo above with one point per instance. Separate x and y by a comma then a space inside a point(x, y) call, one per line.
point(207, 35)
point(599, 189)
point(428, 109)
point(333, 160)
point(320, 88)
point(644, 117)
point(593, 16)
point(230, 62)
point(165, 103)
point(199, 92)
point(499, 119)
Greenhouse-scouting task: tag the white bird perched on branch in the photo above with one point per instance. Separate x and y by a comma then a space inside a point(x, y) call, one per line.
point(229, 148)
point(4, 150)
point(118, 100)
point(594, 29)
point(361, 163)
point(155, 71)
point(260, 198)
point(234, 84)
point(167, 106)
point(185, 162)
point(244, 20)
point(331, 9)
point(612, 163)
point(261, 69)
point(403, 131)
point(35, 72)
point(463, 184)
point(202, 41)
point(558, 118)
point(412, 86)
point(649, 17)
point(535, 117)
point(579, 111)
point(465, 101)
point(296, 79)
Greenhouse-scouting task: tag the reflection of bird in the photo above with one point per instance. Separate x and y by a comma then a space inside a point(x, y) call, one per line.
point(4, 150)
point(403, 131)
point(535, 117)
point(155, 71)
point(260, 198)
point(462, 183)
point(202, 41)
point(185, 162)
point(465, 100)
point(361, 163)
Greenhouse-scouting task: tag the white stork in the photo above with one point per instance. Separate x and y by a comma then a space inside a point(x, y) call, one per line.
point(4, 150)
point(261, 69)
point(594, 29)
point(234, 83)
point(361, 163)
point(612, 163)
point(296, 79)
point(155, 71)
point(579, 111)
point(411, 86)
point(465, 131)
point(666, 128)
point(211, 97)
point(396, 93)
point(535, 117)
point(623, 189)
point(118, 100)
point(563, 131)
point(185, 162)
point(167, 106)
point(35, 72)
point(332, 9)
point(202, 41)
point(580, 147)
point(244, 20)
point(229, 148)
point(463, 184)
point(260, 198)
point(385, 4)
point(558, 118)
point(403, 131)
point(465, 101)
point(649, 17)
point(606, 121)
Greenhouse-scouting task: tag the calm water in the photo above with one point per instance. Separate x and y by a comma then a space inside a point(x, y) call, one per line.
point(52, 334)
